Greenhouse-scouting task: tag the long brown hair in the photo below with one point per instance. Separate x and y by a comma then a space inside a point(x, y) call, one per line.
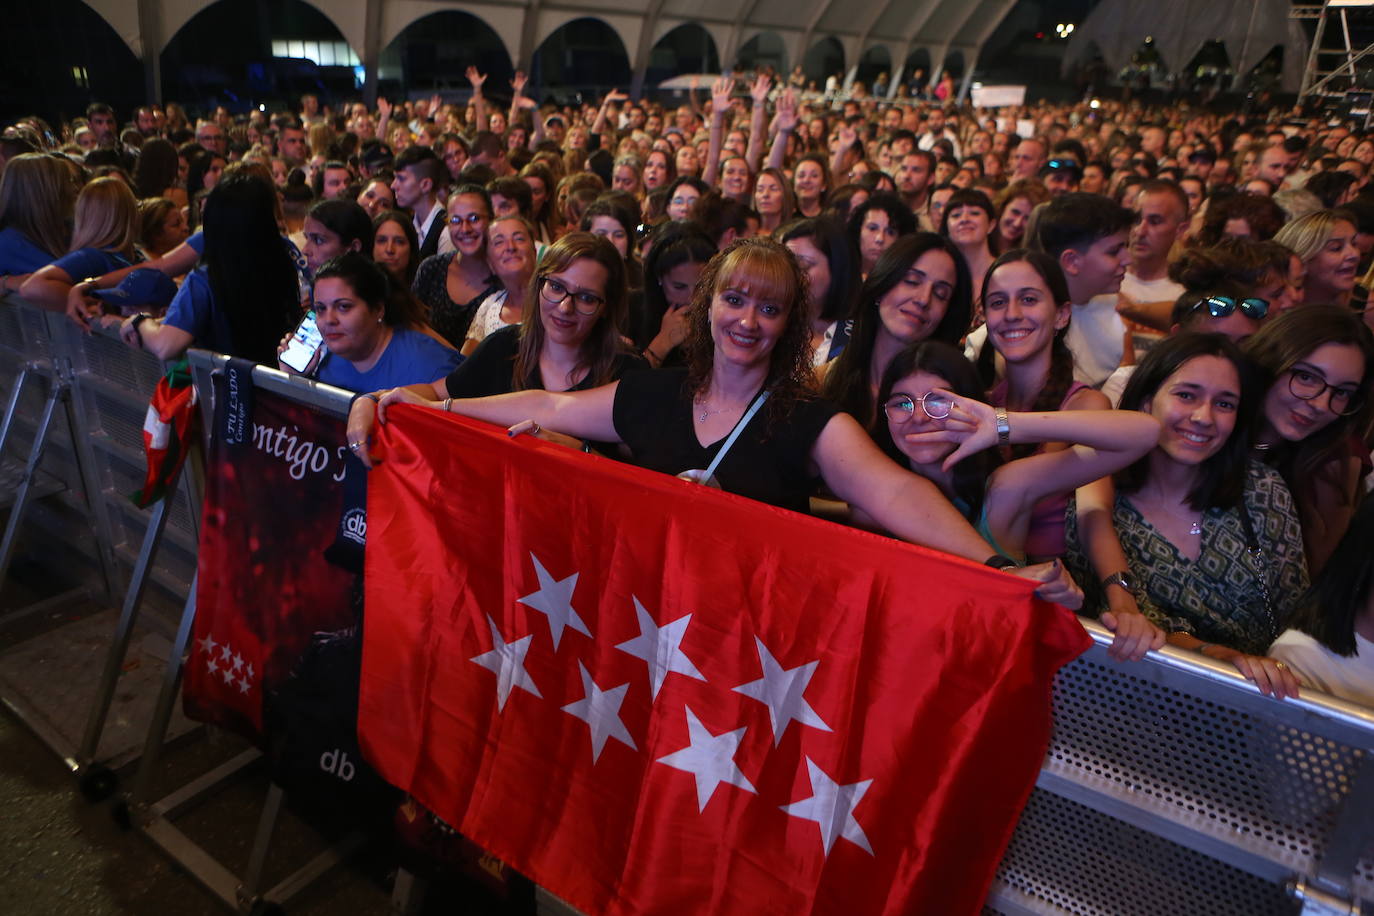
point(106, 217)
point(603, 343)
point(36, 197)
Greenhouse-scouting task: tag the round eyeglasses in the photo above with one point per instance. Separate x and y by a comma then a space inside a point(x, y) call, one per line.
point(1309, 386)
point(934, 404)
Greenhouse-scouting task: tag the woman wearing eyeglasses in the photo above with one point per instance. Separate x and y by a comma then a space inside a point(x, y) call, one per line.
point(938, 425)
point(511, 256)
point(1318, 362)
point(453, 284)
point(567, 339)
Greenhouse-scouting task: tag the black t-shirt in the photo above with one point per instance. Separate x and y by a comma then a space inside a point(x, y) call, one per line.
point(653, 416)
point(491, 367)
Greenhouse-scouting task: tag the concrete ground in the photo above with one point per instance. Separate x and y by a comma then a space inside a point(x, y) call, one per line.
point(66, 856)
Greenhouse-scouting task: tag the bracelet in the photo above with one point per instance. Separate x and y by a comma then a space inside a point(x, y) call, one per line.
point(373, 397)
point(653, 357)
point(1003, 426)
point(448, 402)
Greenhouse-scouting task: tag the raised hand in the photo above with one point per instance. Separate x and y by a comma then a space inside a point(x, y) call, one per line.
point(762, 86)
point(383, 109)
point(721, 90)
point(476, 79)
point(518, 82)
point(787, 111)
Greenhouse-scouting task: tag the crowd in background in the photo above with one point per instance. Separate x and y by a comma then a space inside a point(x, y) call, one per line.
point(1122, 349)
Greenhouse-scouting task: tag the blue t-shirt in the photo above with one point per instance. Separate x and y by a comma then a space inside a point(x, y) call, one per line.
point(19, 254)
point(410, 358)
point(193, 311)
point(90, 262)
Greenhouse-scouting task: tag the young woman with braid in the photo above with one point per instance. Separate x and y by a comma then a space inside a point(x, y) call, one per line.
point(1027, 308)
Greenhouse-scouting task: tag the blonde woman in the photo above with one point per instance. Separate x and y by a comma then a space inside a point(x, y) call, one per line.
point(1325, 243)
point(103, 236)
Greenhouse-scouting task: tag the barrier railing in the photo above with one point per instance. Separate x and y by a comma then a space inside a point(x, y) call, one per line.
point(1170, 784)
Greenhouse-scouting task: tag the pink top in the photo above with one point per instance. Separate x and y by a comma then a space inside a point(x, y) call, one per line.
point(1045, 537)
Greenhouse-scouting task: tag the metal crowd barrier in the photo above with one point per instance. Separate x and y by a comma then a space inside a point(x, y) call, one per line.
point(1170, 786)
point(71, 450)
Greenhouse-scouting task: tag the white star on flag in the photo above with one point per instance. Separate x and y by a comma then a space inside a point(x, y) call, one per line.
point(208, 644)
point(211, 667)
point(600, 709)
point(238, 661)
point(554, 600)
point(225, 653)
point(831, 806)
point(228, 676)
point(243, 686)
point(250, 671)
point(710, 758)
point(507, 661)
point(781, 691)
point(659, 646)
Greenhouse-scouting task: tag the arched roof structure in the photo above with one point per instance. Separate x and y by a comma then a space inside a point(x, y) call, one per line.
point(899, 26)
point(1248, 28)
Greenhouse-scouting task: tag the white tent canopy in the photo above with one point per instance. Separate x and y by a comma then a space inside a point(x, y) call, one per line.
point(1249, 28)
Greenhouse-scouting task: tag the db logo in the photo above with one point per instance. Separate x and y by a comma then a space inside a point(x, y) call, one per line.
point(336, 762)
point(355, 526)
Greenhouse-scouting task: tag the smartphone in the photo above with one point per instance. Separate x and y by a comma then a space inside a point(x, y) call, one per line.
point(305, 342)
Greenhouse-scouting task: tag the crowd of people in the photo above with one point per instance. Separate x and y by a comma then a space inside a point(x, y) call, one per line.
point(1120, 350)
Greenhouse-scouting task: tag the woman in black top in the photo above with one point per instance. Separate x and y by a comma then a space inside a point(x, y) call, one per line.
point(748, 364)
point(568, 339)
point(454, 284)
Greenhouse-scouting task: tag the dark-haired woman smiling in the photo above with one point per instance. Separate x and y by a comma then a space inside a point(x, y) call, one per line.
point(1212, 541)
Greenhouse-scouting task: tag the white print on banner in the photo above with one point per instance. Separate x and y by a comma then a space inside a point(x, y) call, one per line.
point(301, 454)
point(710, 758)
point(222, 660)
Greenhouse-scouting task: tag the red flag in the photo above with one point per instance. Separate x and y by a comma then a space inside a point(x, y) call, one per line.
point(654, 697)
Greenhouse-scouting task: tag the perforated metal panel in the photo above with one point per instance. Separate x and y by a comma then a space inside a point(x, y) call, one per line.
point(1068, 858)
point(1171, 791)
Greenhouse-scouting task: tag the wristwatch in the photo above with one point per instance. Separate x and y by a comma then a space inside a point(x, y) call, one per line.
point(1000, 561)
point(1003, 426)
point(1123, 579)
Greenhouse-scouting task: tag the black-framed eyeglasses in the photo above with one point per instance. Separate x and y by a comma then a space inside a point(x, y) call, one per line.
point(555, 291)
point(934, 404)
point(1221, 306)
point(1309, 386)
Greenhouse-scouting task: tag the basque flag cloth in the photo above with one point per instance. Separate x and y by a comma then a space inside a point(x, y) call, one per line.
point(654, 697)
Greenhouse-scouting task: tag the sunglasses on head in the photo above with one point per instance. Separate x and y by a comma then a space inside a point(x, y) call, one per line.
point(1066, 164)
point(1221, 306)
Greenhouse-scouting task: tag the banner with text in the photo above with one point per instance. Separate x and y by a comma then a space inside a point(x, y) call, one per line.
point(654, 697)
point(273, 496)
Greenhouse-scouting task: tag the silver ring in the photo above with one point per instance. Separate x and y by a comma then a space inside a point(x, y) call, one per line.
point(354, 446)
point(534, 430)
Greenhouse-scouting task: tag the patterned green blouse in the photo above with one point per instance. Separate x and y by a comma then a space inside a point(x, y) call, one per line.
point(1221, 596)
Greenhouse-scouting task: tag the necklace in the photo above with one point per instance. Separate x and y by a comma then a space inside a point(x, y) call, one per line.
point(701, 417)
point(1194, 527)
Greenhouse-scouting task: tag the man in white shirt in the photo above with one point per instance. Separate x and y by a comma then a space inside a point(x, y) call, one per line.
point(1087, 234)
point(1147, 293)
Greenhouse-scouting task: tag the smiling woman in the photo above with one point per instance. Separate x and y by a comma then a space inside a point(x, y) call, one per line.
point(1212, 540)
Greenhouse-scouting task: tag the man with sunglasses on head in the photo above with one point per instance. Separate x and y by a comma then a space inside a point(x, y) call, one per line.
point(1061, 175)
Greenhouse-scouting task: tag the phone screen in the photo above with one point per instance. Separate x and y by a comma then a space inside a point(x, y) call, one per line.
point(305, 341)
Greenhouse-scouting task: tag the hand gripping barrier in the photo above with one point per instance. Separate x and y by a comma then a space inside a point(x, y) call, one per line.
point(1170, 785)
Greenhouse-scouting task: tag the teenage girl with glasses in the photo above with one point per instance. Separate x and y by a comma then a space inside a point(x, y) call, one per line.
point(1317, 361)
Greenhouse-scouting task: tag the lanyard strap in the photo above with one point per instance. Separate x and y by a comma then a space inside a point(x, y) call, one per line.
point(734, 433)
